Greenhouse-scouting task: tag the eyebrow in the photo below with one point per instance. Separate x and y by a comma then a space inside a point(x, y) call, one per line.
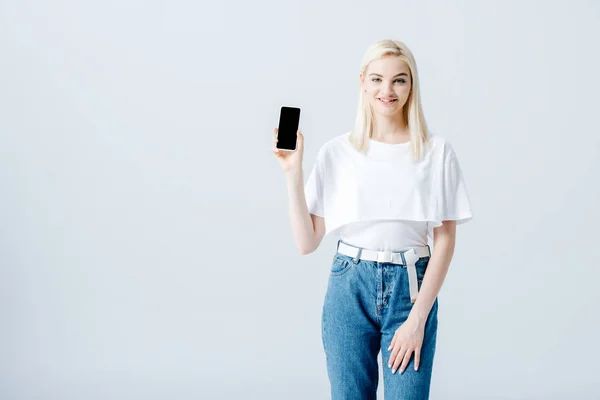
point(401, 73)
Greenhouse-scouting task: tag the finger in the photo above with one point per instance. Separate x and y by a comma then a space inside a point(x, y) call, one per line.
point(405, 361)
point(398, 360)
point(393, 355)
point(392, 344)
point(417, 358)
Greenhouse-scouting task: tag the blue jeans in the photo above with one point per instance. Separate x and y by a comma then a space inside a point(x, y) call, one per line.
point(365, 302)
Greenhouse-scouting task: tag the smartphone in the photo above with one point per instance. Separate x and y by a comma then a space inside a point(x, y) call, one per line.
point(287, 134)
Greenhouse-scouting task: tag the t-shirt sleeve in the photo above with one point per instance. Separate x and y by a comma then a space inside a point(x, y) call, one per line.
point(314, 187)
point(455, 198)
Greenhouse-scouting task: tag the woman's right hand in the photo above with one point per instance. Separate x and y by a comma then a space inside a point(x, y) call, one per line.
point(290, 161)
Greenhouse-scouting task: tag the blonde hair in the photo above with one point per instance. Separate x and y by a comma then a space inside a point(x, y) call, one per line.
point(412, 110)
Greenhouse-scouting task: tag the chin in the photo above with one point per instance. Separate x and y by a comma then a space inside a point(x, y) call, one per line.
point(387, 111)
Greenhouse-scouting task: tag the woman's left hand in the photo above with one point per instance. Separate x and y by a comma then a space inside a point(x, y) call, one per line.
point(407, 339)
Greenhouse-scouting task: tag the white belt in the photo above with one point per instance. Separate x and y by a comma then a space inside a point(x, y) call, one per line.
point(406, 258)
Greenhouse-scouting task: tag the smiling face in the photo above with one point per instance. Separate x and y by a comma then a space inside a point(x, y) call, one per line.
point(387, 78)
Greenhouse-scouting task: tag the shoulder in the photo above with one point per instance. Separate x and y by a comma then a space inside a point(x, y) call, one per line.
point(437, 141)
point(440, 145)
point(338, 141)
point(334, 145)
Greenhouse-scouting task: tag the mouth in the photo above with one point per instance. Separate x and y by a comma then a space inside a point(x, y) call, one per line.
point(387, 102)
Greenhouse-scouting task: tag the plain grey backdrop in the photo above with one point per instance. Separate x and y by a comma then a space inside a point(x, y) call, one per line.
point(145, 244)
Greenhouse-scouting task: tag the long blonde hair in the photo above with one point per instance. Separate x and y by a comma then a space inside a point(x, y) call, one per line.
point(412, 110)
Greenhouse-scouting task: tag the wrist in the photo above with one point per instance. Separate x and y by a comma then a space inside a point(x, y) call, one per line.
point(418, 318)
point(294, 174)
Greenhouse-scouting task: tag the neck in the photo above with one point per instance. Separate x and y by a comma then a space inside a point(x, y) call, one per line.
point(391, 130)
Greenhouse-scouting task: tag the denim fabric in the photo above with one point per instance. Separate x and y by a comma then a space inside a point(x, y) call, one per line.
point(365, 302)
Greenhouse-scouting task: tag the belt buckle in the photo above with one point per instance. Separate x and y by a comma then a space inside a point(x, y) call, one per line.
point(384, 256)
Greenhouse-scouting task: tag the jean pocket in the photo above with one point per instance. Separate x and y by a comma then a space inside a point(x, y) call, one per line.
point(340, 265)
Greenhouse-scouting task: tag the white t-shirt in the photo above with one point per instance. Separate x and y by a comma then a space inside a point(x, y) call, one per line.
point(384, 200)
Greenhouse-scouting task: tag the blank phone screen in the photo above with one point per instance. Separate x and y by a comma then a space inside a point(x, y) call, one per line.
point(289, 119)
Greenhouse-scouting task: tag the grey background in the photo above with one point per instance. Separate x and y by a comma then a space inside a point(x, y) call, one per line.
point(145, 248)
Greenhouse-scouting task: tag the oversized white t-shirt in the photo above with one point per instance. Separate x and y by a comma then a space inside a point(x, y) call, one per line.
point(385, 200)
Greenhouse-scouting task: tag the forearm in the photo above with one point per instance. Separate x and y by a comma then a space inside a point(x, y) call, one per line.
point(300, 220)
point(433, 279)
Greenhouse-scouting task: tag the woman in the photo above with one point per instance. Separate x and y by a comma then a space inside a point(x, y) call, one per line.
point(385, 188)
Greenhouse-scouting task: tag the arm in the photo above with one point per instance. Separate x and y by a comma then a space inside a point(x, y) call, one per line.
point(444, 238)
point(308, 229)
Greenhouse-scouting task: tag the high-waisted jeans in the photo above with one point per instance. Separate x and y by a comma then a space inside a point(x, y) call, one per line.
point(365, 302)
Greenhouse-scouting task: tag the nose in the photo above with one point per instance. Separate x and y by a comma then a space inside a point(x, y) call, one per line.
point(387, 91)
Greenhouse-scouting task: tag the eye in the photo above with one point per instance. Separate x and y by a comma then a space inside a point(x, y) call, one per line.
point(377, 79)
